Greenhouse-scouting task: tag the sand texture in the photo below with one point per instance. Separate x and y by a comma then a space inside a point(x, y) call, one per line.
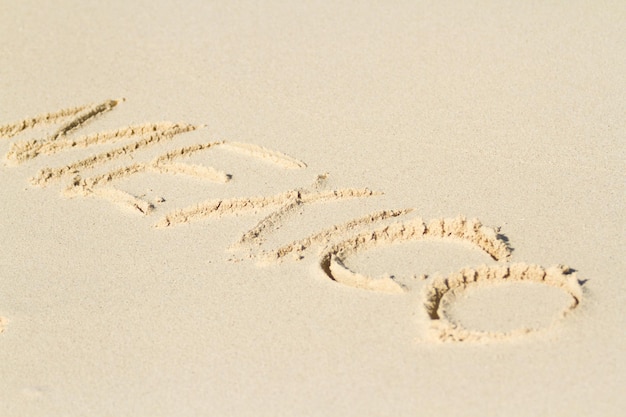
point(312, 208)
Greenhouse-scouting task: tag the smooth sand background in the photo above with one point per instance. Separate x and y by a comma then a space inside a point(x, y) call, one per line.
point(512, 112)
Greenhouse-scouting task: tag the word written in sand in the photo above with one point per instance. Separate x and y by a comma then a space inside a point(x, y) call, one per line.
point(335, 244)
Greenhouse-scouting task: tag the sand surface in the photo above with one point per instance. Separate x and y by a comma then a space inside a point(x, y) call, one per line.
point(312, 208)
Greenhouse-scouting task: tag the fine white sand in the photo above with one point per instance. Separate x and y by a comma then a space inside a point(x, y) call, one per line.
point(312, 208)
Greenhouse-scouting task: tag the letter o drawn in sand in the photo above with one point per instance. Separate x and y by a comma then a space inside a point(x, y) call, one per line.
point(446, 330)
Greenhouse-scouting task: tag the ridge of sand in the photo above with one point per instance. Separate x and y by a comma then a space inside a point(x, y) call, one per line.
point(325, 236)
point(47, 175)
point(219, 207)
point(79, 116)
point(29, 149)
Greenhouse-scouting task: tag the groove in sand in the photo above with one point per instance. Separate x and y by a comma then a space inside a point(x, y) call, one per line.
point(238, 205)
point(24, 150)
point(123, 199)
point(324, 237)
point(443, 329)
point(81, 115)
point(333, 258)
point(47, 175)
point(269, 155)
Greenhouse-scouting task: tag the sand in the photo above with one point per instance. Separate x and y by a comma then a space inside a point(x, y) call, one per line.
point(279, 208)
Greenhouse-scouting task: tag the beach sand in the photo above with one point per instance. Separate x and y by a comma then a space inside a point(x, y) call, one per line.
point(348, 208)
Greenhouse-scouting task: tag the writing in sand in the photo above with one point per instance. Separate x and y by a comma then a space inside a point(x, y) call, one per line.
point(96, 175)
